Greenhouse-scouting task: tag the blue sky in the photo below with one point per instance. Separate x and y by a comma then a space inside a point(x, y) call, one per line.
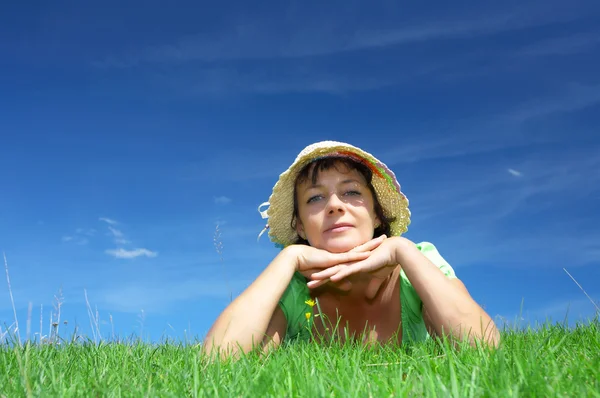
point(129, 132)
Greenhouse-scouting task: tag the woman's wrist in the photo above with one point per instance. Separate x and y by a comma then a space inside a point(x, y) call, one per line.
point(401, 247)
point(290, 255)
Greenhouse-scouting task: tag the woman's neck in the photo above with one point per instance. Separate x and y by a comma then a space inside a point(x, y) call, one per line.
point(356, 294)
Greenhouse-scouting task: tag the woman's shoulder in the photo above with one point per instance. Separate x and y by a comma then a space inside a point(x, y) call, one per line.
point(430, 251)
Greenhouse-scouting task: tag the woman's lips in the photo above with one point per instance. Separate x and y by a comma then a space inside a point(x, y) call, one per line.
point(340, 228)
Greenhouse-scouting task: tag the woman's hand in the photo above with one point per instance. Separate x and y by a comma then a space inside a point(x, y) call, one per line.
point(310, 259)
point(366, 247)
point(379, 264)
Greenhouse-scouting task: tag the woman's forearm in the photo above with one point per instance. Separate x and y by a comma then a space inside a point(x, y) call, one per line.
point(242, 325)
point(449, 306)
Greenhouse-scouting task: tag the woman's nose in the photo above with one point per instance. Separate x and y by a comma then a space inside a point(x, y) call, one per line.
point(335, 204)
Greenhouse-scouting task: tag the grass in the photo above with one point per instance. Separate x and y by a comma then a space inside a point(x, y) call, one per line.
point(552, 360)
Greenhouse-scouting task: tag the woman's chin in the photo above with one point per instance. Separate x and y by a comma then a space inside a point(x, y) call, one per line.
point(340, 245)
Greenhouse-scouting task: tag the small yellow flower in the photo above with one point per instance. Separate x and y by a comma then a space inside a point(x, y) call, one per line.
point(307, 315)
point(310, 302)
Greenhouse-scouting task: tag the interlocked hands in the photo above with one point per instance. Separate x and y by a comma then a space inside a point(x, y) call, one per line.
point(376, 257)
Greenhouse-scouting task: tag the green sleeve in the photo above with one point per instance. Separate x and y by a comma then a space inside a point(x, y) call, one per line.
point(294, 307)
point(413, 326)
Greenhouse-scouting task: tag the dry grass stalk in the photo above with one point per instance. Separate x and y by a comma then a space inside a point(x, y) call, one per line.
point(55, 323)
point(91, 317)
point(219, 247)
point(29, 308)
point(584, 292)
point(41, 323)
point(12, 300)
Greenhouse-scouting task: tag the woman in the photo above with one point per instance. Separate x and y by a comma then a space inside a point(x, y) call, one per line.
point(338, 213)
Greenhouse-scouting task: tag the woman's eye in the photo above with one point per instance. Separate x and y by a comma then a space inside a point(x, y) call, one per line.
point(313, 198)
point(353, 193)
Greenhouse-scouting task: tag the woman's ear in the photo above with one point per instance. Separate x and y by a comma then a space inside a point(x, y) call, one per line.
point(377, 222)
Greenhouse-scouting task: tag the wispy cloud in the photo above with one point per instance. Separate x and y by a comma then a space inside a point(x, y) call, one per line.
point(221, 81)
point(503, 130)
point(264, 39)
point(476, 25)
point(109, 221)
point(80, 237)
point(78, 240)
point(222, 200)
point(567, 45)
point(574, 98)
point(128, 254)
point(468, 192)
point(489, 209)
point(515, 173)
point(118, 236)
point(87, 232)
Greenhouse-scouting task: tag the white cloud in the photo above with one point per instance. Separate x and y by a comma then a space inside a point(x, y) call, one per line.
point(514, 172)
point(67, 238)
point(222, 200)
point(123, 253)
point(108, 220)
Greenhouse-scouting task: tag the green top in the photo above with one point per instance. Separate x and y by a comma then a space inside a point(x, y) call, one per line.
point(294, 306)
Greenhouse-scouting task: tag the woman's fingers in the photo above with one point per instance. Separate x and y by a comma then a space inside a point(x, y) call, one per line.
point(316, 284)
point(342, 285)
point(347, 270)
point(308, 272)
point(349, 257)
point(334, 259)
point(320, 259)
point(326, 273)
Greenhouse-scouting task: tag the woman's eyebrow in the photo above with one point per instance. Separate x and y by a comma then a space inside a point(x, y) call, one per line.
point(350, 180)
point(347, 181)
point(312, 186)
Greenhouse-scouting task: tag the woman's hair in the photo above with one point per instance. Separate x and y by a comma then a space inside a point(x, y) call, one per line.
point(311, 171)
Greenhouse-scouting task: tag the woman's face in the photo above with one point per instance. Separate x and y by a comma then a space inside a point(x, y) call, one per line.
point(337, 213)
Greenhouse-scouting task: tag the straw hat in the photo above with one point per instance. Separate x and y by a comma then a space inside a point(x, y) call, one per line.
point(281, 201)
